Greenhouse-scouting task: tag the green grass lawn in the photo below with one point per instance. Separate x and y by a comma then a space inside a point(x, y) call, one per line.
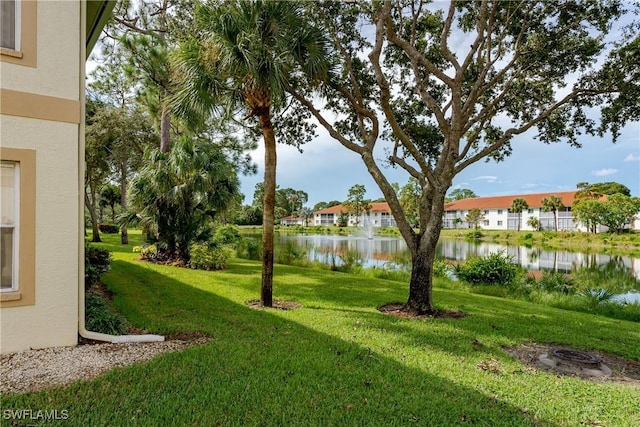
point(337, 361)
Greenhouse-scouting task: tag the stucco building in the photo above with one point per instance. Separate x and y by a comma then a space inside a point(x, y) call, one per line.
point(497, 215)
point(43, 50)
point(379, 215)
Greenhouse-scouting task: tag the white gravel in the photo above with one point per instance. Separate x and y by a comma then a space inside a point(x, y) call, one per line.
point(33, 370)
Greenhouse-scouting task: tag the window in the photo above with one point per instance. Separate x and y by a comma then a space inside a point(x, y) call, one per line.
point(530, 211)
point(499, 211)
point(10, 25)
point(17, 220)
point(18, 32)
point(326, 219)
point(486, 212)
point(499, 223)
point(9, 210)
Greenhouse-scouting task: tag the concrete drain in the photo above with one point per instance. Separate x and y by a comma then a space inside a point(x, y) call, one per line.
point(574, 362)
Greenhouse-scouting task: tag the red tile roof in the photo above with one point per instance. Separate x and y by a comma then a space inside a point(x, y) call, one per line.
point(331, 210)
point(494, 202)
point(504, 202)
point(375, 207)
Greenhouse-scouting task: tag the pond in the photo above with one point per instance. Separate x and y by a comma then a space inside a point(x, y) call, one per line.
point(391, 252)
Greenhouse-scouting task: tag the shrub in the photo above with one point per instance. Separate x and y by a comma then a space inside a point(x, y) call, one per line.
point(228, 235)
point(351, 260)
point(108, 228)
point(203, 256)
point(440, 268)
point(290, 253)
point(596, 296)
point(493, 269)
point(148, 252)
point(100, 317)
point(249, 249)
point(96, 262)
point(474, 234)
point(554, 281)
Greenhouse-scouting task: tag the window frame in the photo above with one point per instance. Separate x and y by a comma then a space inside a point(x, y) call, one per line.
point(25, 51)
point(16, 25)
point(24, 291)
point(15, 241)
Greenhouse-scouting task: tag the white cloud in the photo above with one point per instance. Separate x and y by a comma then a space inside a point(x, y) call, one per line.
point(605, 172)
point(632, 157)
point(487, 178)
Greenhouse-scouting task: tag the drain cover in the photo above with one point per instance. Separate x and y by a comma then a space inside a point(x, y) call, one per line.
point(576, 358)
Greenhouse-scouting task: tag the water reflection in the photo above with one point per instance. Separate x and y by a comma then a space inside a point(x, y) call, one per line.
point(375, 252)
point(592, 268)
point(536, 259)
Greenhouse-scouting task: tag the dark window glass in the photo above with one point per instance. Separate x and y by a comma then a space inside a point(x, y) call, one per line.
point(8, 24)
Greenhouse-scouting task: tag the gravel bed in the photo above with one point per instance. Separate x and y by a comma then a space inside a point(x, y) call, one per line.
point(33, 370)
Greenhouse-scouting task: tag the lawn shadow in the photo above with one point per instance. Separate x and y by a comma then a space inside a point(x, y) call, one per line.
point(504, 320)
point(259, 368)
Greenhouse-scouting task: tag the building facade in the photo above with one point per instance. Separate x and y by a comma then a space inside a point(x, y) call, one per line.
point(379, 215)
point(42, 57)
point(497, 214)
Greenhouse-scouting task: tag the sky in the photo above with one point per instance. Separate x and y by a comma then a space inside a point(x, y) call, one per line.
point(326, 170)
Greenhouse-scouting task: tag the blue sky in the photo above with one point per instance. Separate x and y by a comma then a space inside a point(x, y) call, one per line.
point(326, 170)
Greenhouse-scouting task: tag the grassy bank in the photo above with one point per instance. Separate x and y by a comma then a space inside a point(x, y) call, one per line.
point(337, 360)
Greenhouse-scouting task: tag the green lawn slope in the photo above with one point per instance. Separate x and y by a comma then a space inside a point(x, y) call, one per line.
point(337, 361)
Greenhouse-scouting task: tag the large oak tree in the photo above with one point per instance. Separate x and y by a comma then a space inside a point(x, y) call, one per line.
point(432, 89)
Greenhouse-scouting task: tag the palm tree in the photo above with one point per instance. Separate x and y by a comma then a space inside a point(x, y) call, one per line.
point(517, 206)
point(178, 193)
point(305, 214)
point(244, 55)
point(553, 204)
point(534, 223)
point(109, 197)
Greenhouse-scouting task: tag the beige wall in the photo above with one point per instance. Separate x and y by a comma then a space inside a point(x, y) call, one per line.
point(41, 112)
point(58, 68)
point(52, 320)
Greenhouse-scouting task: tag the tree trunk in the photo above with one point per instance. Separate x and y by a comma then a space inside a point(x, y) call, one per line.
point(268, 210)
point(422, 256)
point(94, 218)
point(165, 130)
point(124, 234)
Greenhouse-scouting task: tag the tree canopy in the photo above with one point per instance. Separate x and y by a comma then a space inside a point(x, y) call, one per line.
point(596, 190)
point(438, 88)
point(356, 204)
point(459, 194)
